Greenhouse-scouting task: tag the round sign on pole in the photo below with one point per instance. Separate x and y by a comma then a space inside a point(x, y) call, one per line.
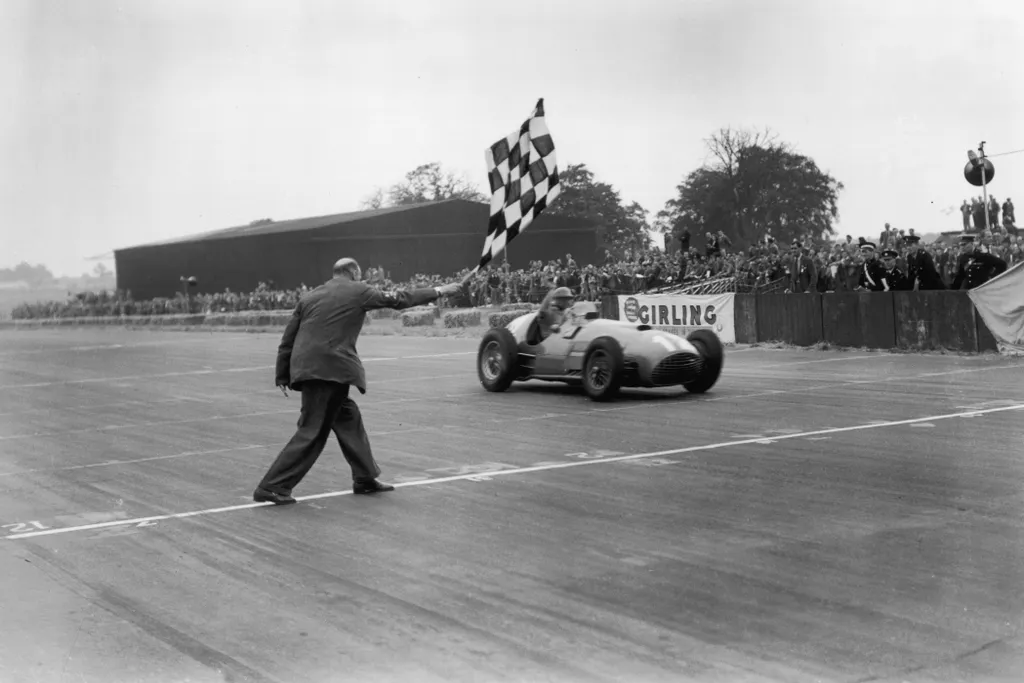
point(973, 173)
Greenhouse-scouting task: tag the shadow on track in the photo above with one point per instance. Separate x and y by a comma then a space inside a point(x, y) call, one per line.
point(625, 394)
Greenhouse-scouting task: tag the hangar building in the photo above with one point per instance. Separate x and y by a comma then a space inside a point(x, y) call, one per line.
point(436, 237)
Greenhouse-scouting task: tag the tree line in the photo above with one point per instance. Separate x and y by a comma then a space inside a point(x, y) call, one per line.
point(751, 185)
point(41, 276)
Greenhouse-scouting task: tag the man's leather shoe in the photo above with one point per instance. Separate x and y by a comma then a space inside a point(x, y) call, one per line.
point(372, 486)
point(265, 496)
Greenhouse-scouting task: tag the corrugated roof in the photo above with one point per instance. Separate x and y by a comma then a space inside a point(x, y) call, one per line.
point(296, 224)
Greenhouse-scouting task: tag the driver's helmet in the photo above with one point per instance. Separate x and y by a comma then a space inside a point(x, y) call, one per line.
point(559, 301)
point(561, 297)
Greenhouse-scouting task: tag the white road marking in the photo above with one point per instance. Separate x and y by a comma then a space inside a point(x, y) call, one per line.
point(546, 416)
point(837, 359)
point(517, 471)
point(668, 402)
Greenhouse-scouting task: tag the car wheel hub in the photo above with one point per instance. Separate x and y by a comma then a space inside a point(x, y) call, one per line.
point(599, 371)
point(490, 364)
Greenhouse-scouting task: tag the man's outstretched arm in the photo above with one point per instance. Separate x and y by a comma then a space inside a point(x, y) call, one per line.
point(399, 299)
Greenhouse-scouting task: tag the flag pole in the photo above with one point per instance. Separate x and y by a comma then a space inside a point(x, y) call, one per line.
point(984, 185)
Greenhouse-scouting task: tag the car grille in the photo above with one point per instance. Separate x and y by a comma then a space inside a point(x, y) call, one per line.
point(676, 369)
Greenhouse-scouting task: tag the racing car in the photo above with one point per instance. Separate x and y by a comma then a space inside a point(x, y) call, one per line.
point(600, 354)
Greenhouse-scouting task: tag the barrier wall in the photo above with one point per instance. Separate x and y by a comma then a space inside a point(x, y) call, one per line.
point(795, 319)
point(877, 320)
point(986, 340)
point(861, 319)
point(921, 321)
point(745, 310)
point(935, 320)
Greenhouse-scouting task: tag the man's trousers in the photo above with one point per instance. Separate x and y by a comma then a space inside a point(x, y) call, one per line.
point(326, 407)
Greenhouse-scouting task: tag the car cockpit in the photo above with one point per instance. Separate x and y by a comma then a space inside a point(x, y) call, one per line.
point(555, 318)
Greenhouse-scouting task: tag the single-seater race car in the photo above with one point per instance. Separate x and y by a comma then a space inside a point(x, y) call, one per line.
point(603, 355)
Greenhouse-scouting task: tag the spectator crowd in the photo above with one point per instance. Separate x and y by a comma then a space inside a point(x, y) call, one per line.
point(806, 265)
point(974, 213)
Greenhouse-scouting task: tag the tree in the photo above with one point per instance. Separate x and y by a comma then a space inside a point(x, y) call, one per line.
point(374, 201)
point(582, 196)
point(753, 186)
point(426, 183)
point(33, 275)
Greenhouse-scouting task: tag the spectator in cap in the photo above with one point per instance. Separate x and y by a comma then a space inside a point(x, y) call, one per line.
point(893, 279)
point(921, 270)
point(871, 272)
point(975, 267)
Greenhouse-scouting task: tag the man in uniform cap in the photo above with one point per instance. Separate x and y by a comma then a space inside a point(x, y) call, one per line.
point(893, 279)
point(318, 357)
point(975, 267)
point(871, 272)
point(921, 269)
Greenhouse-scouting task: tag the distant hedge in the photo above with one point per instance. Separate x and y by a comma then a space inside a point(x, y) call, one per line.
point(504, 318)
point(464, 318)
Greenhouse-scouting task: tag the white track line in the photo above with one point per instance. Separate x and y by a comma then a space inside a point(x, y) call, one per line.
point(521, 470)
point(828, 360)
point(531, 418)
point(669, 401)
point(188, 373)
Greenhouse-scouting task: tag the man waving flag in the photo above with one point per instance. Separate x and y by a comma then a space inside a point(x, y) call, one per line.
point(524, 180)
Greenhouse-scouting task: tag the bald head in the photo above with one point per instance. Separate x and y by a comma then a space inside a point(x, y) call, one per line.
point(348, 267)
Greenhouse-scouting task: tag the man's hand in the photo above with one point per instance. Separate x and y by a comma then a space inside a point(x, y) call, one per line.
point(449, 289)
point(284, 389)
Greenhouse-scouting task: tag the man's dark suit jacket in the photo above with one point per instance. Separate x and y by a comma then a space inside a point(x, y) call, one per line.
point(319, 342)
point(804, 275)
point(975, 268)
point(921, 267)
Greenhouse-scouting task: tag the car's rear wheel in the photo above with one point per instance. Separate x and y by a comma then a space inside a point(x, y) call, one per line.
point(712, 354)
point(603, 367)
point(497, 359)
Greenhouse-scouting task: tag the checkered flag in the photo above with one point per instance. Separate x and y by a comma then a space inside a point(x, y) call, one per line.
point(524, 180)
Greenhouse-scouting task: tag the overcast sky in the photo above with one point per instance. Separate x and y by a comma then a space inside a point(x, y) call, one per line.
point(128, 122)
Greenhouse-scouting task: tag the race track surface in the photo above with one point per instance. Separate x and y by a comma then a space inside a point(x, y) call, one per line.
point(818, 516)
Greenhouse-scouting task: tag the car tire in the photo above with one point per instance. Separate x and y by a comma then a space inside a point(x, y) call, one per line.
point(497, 359)
point(603, 367)
point(713, 355)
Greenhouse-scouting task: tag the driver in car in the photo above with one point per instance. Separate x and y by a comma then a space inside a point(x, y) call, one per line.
point(551, 314)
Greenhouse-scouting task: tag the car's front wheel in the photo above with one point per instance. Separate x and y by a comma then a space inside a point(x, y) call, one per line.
point(603, 367)
point(497, 359)
point(712, 354)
